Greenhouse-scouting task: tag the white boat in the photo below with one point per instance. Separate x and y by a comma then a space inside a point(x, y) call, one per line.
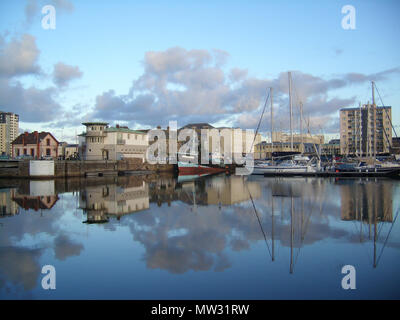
point(299, 164)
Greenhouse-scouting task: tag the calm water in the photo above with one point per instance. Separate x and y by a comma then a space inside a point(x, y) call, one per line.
point(217, 237)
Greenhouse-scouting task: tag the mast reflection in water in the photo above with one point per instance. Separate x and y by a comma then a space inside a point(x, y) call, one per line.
point(215, 237)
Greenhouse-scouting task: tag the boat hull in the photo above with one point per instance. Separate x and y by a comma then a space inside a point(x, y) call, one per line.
point(283, 170)
point(197, 169)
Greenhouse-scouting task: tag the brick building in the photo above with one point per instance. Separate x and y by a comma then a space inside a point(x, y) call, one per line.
point(35, 144)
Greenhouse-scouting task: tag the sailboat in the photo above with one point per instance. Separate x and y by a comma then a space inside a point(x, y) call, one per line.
point(297, 164)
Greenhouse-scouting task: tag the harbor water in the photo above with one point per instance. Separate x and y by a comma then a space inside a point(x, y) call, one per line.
point(211, 237)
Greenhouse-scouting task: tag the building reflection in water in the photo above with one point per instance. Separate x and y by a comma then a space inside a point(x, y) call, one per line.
point(101, 202)
point(370, 203)
point(367, 202)
point(223, 190)
point(289, 213)
point(8, 207)
point(32, 195)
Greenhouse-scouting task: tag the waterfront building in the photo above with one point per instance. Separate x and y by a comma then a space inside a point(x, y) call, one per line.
point(244, 143)
point(101, 142)
point(67, 151)
point(9, 126)
point(395, 148)
point(264, 149)
point(279, 137)
point(331, 149)
point(35, 144)
point(61, 149)
point(366, 130)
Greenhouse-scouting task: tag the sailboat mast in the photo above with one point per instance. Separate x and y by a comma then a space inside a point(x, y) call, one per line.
point(291, 109)
point(374, 113)
point(301, 125)
point(272, 123)
point(360, 133)
point(272, 231)
point(291, 234)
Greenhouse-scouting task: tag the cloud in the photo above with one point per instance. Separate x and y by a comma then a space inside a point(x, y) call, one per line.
point(20, 266)
point(63, 74)
point(194, 86)
point(64, 247)
point(354, 77)
point(32, 104)
point(237, 74)
point(63, 5)
point(33, 9)
point(19, 56)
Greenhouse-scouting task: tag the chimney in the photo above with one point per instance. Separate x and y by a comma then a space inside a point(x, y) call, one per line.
point(158, 127)
point(117, 126)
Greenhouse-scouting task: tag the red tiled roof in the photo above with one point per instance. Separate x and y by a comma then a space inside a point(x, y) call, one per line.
point(31, 138)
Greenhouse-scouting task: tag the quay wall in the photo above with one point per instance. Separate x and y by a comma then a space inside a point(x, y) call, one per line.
point(65, 168)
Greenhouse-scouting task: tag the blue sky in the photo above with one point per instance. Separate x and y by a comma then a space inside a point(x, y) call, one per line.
point(109, 72)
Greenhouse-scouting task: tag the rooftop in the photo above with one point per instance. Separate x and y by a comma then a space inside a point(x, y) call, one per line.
point(95, 123)
point(202, 125)
point(123, 129)
point(364, 106)
point(32, 138)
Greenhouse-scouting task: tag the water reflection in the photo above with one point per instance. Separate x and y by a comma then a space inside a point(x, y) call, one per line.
point(203, 224)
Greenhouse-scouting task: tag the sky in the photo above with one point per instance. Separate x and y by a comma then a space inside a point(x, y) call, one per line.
point(145, 63)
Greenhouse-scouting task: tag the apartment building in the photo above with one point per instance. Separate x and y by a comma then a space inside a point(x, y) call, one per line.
point(279, 137)
point(366, 130)
point(9, 126)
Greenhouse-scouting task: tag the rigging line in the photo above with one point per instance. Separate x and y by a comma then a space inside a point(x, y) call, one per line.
point(382, 222)
point(387, 237)
point(390, 120)
point(306, 229)
point(259, 222)
point(259, 122)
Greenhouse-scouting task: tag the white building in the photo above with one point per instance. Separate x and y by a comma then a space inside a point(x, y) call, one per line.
point(101, 142)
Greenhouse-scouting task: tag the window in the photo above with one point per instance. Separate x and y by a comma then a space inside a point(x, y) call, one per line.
point(47, 142)
point(32, 152)
point(25, 152)
point(48, 152)
point(18, 153)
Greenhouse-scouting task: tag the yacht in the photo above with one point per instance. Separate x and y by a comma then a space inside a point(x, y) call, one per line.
point(298, 164)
